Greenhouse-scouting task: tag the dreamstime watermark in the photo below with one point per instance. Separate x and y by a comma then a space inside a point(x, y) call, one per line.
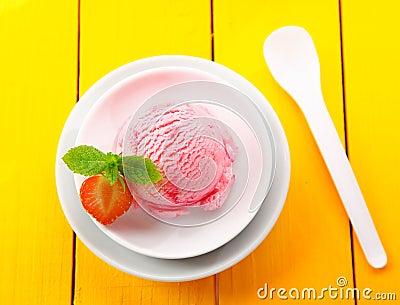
point(334, 292)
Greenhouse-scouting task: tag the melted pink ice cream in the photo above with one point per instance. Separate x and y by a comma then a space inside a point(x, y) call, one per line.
point(194, 153)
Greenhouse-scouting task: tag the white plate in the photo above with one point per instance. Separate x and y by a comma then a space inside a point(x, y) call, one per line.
point(160, 269)
point(137, 230)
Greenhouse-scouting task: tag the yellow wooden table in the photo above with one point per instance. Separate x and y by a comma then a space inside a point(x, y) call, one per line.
point(51, 52)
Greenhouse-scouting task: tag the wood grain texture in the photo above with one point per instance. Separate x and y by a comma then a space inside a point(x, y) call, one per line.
point(113, 34)
point(310, 245)
point(371, 47)
point(38, 60)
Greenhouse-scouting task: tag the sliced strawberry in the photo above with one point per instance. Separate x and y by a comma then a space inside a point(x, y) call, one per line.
point(105, 202)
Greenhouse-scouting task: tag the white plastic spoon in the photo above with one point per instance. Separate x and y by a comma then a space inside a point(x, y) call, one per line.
point(293, 61)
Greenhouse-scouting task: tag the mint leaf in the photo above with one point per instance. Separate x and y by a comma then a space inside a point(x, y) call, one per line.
point(152, 171)
point(140, 170)
point(111, 171)
point(112, 159)
point(85, 160)
point(112, 174)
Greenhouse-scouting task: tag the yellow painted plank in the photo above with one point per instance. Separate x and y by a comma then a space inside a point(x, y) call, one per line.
point(372, 65)
point(100, 283)
point(38, 61)
point(113, 34)
point(310, 245)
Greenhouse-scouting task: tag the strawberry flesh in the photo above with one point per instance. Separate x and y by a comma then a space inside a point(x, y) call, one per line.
point(103, 201)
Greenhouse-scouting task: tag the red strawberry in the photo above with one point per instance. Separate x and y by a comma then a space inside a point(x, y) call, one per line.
point(105, 202)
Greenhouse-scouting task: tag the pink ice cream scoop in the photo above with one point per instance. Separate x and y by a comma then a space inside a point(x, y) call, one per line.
point(194, 153)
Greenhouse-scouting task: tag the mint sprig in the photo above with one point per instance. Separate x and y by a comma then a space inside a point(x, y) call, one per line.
point(111, 172)
point(89, 161)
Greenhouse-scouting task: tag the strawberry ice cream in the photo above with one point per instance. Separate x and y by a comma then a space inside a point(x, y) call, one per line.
point(194, 153)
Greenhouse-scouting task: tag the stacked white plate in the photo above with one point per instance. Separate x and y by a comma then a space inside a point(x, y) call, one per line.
point(181, 249)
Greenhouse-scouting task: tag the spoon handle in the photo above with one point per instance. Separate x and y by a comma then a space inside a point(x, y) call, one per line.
point(332, 151)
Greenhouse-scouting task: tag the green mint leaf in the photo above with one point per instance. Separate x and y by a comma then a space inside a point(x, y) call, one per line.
point(85, 160)
point(153, 171)
point(119, 164)
point(140, 170)
point(112, 174)
point(112, 159)
point(122, 182)
point(111, 171)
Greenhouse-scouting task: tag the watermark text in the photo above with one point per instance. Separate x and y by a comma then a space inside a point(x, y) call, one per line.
point(337, 291)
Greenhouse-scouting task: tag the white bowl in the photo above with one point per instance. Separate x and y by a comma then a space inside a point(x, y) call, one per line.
point(200, 231)
point(182, 269)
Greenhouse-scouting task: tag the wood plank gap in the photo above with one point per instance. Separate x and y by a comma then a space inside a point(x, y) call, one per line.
point(73, 269)
point(78, 68)
point(343, 79)
point(212, 29)
point(352, 260)
point(346, 139)
point(216, 288)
